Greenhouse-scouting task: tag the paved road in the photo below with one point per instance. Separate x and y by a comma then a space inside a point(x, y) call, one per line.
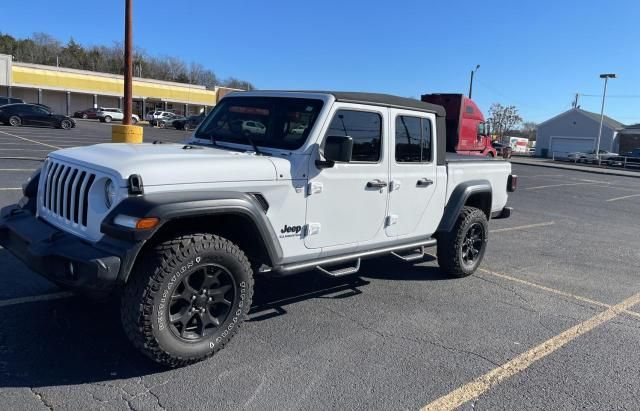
point(541, 325)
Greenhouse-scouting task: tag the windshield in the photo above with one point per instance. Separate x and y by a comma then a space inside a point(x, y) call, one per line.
point(274, 122)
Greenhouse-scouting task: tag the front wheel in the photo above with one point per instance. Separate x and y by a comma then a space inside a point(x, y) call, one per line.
point(85, 116)
point(66, 124)
point(134, 120)
point(461, 250)
point(107, 119)
point(187, 298)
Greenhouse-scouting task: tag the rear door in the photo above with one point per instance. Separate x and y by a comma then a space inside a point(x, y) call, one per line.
point(412, 173)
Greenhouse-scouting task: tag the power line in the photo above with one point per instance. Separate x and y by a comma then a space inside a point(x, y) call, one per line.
point(612, 95)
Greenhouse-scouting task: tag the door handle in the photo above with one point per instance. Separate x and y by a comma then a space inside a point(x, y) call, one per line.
point(424, 182)
point(376, 184)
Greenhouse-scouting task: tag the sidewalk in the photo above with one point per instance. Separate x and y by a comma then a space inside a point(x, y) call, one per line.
point(545, 162)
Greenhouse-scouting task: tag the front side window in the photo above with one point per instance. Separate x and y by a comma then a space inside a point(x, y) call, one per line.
point(364, 127)
point(413, 139)
point(269, 121)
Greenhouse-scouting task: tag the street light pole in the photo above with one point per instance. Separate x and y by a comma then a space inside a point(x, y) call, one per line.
point(471, 81)
point(128, 63)
point(606, 78)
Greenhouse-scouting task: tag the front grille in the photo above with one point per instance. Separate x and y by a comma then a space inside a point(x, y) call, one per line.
point(66, 192)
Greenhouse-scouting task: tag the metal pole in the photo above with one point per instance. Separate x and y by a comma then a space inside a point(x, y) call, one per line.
point(601, 119)
point(128, 63)
point(471, 83)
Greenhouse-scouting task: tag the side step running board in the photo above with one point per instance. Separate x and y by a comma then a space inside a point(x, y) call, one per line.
point(349, 257)
point(417, 255)
point(342, 271)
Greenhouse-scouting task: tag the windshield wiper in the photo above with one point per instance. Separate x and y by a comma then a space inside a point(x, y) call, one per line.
point(253, 144)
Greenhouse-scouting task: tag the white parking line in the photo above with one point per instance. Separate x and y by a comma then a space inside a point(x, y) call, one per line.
point(558, 185)
point(18, 169)
point(522, 227)
point(26, 139)
point(624, 197)
point(36, 298)
point(10, 188)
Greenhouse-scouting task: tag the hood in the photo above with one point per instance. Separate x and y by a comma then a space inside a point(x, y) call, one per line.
point(161, 164)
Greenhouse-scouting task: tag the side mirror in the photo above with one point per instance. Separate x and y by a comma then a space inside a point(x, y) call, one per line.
point(336, 149)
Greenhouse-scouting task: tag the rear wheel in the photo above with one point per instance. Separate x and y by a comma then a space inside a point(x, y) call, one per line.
point(134, 120)
point(15, 121)
point(187, 298)
point(461, 251)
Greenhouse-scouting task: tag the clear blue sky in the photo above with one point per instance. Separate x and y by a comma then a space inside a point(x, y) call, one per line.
point(534, 54)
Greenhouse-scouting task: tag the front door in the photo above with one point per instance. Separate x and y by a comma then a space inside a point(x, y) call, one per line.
point(413, 173)
point(346, 204)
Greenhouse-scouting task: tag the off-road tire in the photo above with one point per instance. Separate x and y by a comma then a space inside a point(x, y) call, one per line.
point(450, 244)
point(159, 274)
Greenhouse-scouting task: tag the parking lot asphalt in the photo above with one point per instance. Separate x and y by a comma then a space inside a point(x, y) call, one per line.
point(550, 321)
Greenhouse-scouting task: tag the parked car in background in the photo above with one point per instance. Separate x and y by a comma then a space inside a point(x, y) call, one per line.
point(172, 122)
point(189, 123)
point(88, 113)
point(592, 157)
point(532, 151)
point(154, 115)
point(22, 114)
point(502, 150)
point(107, 115)
point(10, 100)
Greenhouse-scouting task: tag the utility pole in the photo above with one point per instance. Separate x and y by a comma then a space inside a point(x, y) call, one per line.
point(575, 101)
point(125, 132)
point(606, 77)
point(471, 81)
point(128, 63)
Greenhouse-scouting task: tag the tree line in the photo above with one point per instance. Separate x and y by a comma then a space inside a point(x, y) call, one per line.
point(42, 48)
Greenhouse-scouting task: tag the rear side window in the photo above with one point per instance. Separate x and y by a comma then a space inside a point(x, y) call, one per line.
point(3, 101)
point(365, 128)
point(413, 139)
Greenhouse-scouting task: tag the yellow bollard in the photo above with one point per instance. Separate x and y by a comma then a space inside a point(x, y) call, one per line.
point(121, 133)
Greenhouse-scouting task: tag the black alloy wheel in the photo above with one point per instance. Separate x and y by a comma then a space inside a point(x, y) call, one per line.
point(201, 302)
point(66, 124)
point(472, 244)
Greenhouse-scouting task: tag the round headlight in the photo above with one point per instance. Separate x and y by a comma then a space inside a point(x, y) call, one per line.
point(109, 193)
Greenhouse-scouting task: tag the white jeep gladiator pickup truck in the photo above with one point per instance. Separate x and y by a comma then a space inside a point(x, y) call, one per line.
point(178, 231)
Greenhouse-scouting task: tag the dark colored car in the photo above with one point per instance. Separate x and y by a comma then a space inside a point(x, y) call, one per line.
point(176, 122)
point(33, 115)
point(9, 100)
point(88, 113)
point(190, 123)
point(503, 150)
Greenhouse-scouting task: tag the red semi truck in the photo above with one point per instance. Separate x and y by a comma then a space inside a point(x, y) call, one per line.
point(467, 132)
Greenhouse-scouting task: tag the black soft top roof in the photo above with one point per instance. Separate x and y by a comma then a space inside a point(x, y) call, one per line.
point(386, 100)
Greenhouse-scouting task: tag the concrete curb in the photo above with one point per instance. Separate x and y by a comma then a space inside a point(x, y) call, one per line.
point(586, 169)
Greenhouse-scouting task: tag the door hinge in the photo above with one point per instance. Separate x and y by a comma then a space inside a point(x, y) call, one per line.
point(391, 219)
point(313, 228)
point(315, 187)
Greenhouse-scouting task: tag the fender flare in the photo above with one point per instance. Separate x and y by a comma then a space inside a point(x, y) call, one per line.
point(174, 205)
point(459, 198)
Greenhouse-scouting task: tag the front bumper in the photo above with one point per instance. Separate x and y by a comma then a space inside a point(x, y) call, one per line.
point(60, 257)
